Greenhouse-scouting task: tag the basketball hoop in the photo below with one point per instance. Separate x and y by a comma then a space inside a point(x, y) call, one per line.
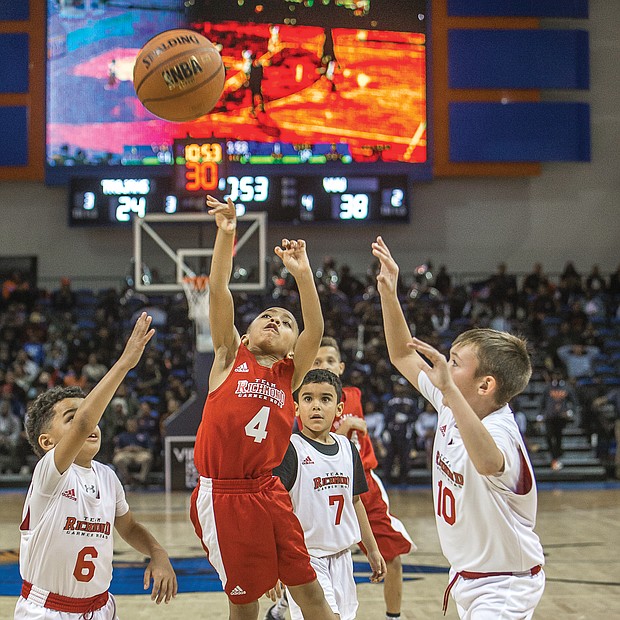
point(197, 292)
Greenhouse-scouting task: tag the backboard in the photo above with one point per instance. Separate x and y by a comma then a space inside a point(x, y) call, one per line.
point(168, 247)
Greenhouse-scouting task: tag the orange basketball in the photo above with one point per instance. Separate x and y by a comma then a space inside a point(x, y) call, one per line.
point(179, 75)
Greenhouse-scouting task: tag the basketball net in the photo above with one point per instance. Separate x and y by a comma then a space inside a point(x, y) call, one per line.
point(197, 292)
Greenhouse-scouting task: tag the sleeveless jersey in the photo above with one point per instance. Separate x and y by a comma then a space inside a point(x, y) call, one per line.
point(485, 523)
point(352, 399)
point(66, 532)
point(322, 497)
point(247, 421)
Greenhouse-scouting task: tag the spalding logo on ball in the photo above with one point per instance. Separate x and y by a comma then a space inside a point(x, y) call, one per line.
point(179, 75)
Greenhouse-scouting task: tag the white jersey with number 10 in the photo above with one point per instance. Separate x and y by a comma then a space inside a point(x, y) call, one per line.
point(485, 523)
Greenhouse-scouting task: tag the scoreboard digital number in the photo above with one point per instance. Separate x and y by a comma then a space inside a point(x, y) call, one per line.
point(309, 199)
point(343, 199)
point(116, 200)
point(199, 164)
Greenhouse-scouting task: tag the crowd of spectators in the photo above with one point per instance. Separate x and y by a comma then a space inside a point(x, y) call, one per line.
point(71, 337)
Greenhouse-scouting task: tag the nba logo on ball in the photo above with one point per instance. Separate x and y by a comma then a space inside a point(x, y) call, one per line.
point(179, 75)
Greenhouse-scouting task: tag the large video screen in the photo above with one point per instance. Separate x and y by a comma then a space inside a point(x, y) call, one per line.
point(342, 85)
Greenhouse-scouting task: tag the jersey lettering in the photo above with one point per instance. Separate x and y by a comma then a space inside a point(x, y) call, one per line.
point(257, 426)
point(446, 504)
point(339, 500)
point(84, 569)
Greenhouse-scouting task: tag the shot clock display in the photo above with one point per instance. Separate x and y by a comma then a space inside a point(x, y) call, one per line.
point(339, 199)
point(199, 164)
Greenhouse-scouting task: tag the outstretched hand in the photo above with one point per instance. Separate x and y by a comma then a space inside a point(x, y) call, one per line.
point(387, 279)
point(138, 340)
point(225, 213)
point(439, 372)
point(293, 255)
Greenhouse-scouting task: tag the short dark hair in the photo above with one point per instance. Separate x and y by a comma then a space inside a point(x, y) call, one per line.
point(41, 412)
point(318, 375)
point(328, 341)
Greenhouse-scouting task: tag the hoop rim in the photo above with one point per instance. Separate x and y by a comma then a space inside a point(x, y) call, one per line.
point(196, 283)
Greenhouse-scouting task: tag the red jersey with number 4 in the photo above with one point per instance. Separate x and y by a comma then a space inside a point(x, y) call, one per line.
point(352, 399)
point(247, 421)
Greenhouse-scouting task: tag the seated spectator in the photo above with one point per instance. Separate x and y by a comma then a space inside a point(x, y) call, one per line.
point(401, 413)
point(443, 281)
point(578, 359)
point(94, 370)
point(10, 430)
point(613, 289)
point(502, 291)
point(533, 280)
point(25, 368)
point(149, 377)
point(15, 289)
point(73, 377)
point(595, 282)
point(132, 451)
point(570, 283)
point(425, 427)
point(113, 423)
point(558, 406)
point(375, 423)
point(612, 399)
point(64, 299)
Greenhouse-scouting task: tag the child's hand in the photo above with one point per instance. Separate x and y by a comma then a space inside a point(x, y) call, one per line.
point(354, 424)
point(164, 578)
point(139, 338)
point(377, 563)
point(293, 255)
point(439, 372)
point(275, 593)
point(387, 278)
point(225, 214)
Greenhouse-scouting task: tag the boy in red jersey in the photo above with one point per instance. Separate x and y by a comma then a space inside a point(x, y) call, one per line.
point(240, 511)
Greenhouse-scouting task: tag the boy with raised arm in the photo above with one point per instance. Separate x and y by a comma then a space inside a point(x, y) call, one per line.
point(483, 483)
point(74, 502)
point(324, 475)
point(240, 511)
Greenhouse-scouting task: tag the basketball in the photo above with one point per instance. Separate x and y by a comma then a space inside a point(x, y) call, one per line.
point(178, 75)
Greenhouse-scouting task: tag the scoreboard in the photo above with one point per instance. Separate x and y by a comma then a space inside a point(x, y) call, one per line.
point(204, 167)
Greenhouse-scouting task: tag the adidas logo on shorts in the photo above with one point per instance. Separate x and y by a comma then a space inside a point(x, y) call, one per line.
point(242, 368)
point(442, 428)
point(70, 493)
point(237, 591)
point(307, 461)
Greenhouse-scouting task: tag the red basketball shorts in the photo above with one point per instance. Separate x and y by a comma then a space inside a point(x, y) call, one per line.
point(391, 536)
point(251, 535)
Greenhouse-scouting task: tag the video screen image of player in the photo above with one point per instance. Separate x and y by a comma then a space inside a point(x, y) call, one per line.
point(306, 83)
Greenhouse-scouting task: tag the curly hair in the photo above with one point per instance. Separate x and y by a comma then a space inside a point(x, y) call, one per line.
point(41, 412)
point(318, 375)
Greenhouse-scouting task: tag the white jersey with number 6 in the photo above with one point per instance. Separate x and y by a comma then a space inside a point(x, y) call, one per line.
point(322, 497)
point(485, 523)
point(66, 532)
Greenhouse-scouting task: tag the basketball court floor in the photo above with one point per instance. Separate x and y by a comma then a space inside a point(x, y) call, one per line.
point(578, 525)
